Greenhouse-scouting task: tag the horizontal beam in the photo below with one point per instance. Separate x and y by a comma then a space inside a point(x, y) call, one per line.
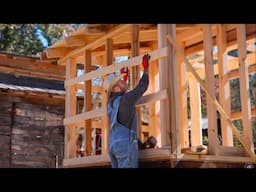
point(212, 158)
point(151, 155)
point(145, 35)
point(231, 151)
point(238, 114)
point(104, 160)
point(95, 124)
point(87, 161)
point(235, 73)
point(84, 116)
point(99, 112)
point(57, 52)
point(98, 89)
point(75, 40)
point(154, 55)
point(121, 52)
point(160, 95)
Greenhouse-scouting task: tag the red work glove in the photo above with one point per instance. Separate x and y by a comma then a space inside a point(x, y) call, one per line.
point(125, 72)
point(145, 60)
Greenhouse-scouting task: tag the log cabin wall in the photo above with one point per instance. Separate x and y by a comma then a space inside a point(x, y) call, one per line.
point(31, 117)
point(31, 134)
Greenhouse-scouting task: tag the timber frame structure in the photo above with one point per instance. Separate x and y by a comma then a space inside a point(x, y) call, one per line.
point(182, 59)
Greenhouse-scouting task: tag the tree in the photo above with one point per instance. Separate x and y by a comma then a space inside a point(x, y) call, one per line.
point(32, 39)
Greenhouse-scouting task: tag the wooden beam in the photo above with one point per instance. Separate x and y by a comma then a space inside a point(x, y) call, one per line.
point(107, 62)
point(95, 124)
point(84, 116)
point(95, 160)
point(135, 71)
point(75, 40)
point(117, 66)
point(224, 85)
point(174, 81)
point(104, 160)
point(88, 103)
point(235, 73)
point(183, 105)
point(188, 34)
point(98, 89)
point(154, 128)
point(70, 110)
point(231, 151)
point(97, 43)
point(145, 35)
point(160, 95)
point(57, 52)
point(195, 109)
point(165, 139)
point(244, 86)
point(238, 114)
point(97, 54)
point(211, 109)
point(209, 158)
point(122, 52)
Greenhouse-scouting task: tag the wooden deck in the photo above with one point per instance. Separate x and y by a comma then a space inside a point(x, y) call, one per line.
point(155, 158)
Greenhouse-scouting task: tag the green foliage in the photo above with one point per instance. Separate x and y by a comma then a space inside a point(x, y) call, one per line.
point(252, 85)
point(238, 124)
point(24, 39)
point(235, 95)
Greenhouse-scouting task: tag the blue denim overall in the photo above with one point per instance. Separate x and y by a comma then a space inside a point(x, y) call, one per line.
point(123, 143)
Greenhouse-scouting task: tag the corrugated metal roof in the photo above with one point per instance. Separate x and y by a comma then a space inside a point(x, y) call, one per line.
point(30, 89)
point(31, 84)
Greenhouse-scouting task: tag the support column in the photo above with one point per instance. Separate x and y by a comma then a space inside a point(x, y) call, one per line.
point(105, 130)
point(168, 73)
point(70, 110)
point(135, 49)
point(182, 91)
point(88, 104)
point(163, 84)
point(224, 85)
point(210, 83)
point(244, 87)
point(195, 108)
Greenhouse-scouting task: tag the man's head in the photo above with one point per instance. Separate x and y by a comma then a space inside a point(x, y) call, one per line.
point(115, 83)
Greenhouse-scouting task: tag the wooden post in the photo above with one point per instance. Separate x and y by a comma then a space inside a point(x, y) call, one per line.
point(209, 73)
point(70, 110)
point(154, 87)
point(163, 84)
point(168, 73)
point(224, 86)
point(88, 104)
point(108, 61)
point(135, 49)
point(182, 108)
point(195, 108)
point(244, 86)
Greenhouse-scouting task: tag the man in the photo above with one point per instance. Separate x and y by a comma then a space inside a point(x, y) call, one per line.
point(123, 142)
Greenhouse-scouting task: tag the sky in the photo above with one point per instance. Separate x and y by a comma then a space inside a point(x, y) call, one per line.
point(42, 38)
